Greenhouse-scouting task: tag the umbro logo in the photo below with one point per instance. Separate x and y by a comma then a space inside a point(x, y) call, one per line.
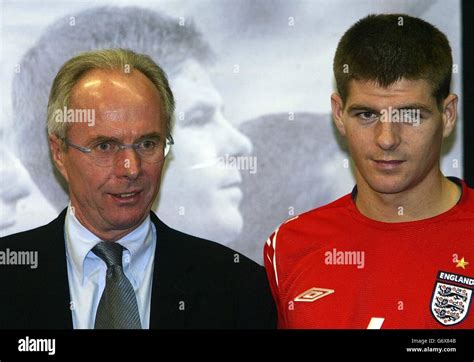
point(313, 294)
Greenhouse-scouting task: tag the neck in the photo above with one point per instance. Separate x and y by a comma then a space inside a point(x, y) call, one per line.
point(432, 196)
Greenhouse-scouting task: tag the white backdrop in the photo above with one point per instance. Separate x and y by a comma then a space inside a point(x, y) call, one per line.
point(272, 72)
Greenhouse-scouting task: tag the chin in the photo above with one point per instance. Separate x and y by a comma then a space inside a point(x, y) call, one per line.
point(230, 224)
point(125, 221)
point(222, 226)
point(388, 185)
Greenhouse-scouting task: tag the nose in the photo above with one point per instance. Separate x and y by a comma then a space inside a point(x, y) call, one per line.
point(388, 135)
point(128, 164)
point(234, 142)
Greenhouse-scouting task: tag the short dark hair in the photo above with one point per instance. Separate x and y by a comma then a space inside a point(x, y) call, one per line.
point(387, 47)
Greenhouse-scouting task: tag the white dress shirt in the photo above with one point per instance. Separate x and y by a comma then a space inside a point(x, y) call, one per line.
point(86, 271)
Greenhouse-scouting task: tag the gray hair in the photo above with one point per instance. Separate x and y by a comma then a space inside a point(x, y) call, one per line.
point(119, 59)
point(142, 30)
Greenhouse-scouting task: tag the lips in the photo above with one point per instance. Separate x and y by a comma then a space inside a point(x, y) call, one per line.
point(390, 161)
point(232, 184)
point(125, 198)
point(231, 189)
point(388, 164)
point(234, 179)
point(126, 194)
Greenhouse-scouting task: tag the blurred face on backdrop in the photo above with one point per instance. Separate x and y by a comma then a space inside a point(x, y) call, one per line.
point(112, 192)
point(201, 193)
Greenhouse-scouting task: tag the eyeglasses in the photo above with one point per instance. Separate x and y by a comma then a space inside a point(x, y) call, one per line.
point(103, 153)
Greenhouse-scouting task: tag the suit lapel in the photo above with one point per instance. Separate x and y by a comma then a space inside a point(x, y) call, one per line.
point(171, 291)
point(55, 286)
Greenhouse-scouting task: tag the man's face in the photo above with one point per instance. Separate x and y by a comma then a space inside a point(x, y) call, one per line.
point(200, 195)
point(127, 107)
point(392, 156)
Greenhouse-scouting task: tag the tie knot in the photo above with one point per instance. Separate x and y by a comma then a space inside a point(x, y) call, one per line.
point(109, 252)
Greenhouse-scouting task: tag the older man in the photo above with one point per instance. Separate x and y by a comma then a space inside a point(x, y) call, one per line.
point(107, 261)
point(201, 193)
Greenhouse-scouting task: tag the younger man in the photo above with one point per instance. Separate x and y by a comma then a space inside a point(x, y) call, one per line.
point(398, 251)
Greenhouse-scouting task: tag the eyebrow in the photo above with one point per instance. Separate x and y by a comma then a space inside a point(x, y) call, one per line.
point(360, 107)
point(102, 138)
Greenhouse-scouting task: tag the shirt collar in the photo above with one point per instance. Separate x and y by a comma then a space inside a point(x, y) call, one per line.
point(80, 241)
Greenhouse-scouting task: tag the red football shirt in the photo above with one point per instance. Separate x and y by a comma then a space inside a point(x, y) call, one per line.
point(332, 267)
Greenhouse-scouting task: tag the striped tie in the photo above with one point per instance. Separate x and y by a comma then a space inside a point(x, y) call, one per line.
point(118, 307)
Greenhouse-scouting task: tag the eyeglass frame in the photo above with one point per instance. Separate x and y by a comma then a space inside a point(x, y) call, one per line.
point(169, 142)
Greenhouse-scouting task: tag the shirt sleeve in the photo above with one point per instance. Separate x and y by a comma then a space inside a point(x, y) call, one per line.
point(270, 262)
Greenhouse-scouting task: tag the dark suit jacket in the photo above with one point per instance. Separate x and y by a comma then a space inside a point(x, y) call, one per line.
point(217, 292)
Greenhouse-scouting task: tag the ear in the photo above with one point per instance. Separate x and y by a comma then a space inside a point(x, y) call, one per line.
point(337, 111)
point(58, 153)
point(450, 112)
